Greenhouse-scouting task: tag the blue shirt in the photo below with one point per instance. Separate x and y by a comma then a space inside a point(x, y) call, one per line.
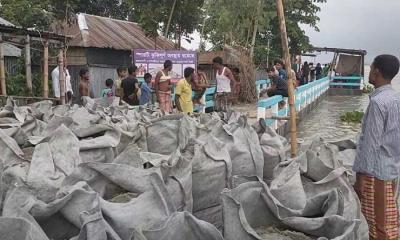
point(145, 96)
point(378, 150)
point(282, 74)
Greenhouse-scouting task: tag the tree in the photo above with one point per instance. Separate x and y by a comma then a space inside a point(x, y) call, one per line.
point(27, 13)
point(42, 14)
point(226, 25)
point(153, 16)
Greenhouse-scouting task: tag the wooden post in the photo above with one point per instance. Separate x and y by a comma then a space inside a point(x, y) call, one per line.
point(362, 72)
point(46, 70)
point(255, 30)
point(169, 19)
point(28, 65)
point(285, 46)
point(332, 65)
point(62, 76)
point(2, 69)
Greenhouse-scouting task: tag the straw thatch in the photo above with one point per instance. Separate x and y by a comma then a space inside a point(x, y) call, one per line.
point(240, 57)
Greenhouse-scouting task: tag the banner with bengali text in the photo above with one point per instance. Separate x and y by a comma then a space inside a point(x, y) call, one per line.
point(152, 61)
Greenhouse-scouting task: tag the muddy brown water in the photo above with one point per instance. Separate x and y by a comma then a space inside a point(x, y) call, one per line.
point(324, 121)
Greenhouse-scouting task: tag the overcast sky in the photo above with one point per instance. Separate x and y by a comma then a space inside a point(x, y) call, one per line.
point(360, 24)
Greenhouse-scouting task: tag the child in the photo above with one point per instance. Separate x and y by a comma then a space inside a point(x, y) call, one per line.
point(146, 90)
point(108, 92)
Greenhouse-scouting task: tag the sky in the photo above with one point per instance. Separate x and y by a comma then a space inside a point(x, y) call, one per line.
point(359, 24)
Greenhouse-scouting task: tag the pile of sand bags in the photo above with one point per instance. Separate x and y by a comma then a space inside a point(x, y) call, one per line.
point(105, 171)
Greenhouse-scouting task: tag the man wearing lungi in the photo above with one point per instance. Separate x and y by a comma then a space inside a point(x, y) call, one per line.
point(163, 86)
point(377, 162)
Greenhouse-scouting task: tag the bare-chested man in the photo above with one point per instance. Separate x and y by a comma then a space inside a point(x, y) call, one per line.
point(84, 84)
point(163, 87)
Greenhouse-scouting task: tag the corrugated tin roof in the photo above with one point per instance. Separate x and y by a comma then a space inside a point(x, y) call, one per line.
point(102, 32)
point(11, 50)
point(6, 23)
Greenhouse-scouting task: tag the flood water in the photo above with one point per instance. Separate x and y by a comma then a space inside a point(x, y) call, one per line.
point(325, 122)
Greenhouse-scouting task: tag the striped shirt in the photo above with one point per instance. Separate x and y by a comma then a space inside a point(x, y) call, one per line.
point(378, 151)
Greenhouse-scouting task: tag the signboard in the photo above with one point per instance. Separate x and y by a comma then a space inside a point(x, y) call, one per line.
point(152, 61)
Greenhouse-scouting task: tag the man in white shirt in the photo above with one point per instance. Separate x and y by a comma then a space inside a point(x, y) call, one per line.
point(55, 76)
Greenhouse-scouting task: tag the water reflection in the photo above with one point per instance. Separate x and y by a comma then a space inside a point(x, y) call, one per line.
point(325, 120)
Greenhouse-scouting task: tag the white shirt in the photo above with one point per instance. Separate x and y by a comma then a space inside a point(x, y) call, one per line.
point(55, 76)
point(223, 83)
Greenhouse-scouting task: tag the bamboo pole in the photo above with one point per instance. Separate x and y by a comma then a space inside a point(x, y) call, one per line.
point(28, 65)
point(2, 69)
point(62, 76)
point(253, 39)
point(286, 54)
point(332, 66)
point(170, 18)
point(46, 70)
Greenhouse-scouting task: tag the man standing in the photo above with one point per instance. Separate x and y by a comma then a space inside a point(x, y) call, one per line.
point(224, 78)
point(55, 77)
point(130, 87)
point(163, 87)
point(278, 64)
point(377, 161)
point(312, 72)
point(183, 94)
point(85, 89)
point(318, 71)
point(305, 73)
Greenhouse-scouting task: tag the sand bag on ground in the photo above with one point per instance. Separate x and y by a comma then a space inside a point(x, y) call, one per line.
point(212, 172)
point(181, 226)
point(243, 146)
point(328, 208)
point(273, 147)
point(162, 136)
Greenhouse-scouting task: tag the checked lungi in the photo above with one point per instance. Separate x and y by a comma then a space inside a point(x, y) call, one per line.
point(379, 206)
point(165, 101)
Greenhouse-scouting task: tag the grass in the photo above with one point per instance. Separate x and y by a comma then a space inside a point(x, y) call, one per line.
point(352, 117)
point(368, 88)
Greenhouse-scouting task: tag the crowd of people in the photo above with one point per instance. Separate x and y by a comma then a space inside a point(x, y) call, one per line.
point(309, 73)
point(189, 90)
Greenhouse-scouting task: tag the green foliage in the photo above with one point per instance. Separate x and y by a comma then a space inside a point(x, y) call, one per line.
point(368, 88)
point(352, 117)
point(232, 22)
point(42, 14)
point(27, 13)
point(16, 85)
point(153, 16)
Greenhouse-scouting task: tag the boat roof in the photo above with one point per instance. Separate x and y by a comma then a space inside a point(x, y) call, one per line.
point(339, 50)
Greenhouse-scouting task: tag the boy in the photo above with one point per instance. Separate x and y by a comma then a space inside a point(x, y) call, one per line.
point(122, 74)
point(279, 86)
point(146, 90)
point(108, 92)
point(131, 89)
point(183, 94)
point(279, 66)
point(84, 84)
